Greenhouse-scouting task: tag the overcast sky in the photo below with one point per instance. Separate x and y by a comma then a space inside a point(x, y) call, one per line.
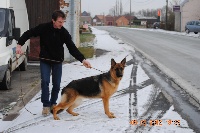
point(99, 7)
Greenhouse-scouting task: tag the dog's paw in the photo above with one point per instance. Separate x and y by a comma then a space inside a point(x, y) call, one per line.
point(111, 113)
point(56, 118)
point(75, 114)
point(111, 116)
point(72, 113)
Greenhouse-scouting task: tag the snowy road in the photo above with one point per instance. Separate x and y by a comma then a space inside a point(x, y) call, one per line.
point(177, 54)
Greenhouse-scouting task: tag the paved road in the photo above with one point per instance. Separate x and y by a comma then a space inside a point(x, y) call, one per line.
point(28, 83)
point(178, 54)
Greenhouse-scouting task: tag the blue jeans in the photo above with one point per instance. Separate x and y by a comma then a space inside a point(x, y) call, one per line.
point(46, 69)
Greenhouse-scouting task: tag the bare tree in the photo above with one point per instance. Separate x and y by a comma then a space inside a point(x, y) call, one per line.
point(112, 11)
point(128, 13)
point(121, 8)
point(175, 2)
point(116, 8)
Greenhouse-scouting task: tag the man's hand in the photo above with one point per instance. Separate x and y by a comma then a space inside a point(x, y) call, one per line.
point(19, 49)
point(86, 64)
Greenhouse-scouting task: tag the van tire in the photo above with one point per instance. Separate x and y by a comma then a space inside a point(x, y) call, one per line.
point(23, 65)
point(6, 83)
point(195, 32)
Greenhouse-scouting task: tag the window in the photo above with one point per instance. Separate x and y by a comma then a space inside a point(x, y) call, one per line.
point(192, 22)
point(197, 22)
point(2, 20)
point(11, 23)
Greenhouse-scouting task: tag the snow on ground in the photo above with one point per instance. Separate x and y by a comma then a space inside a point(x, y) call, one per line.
point(92, 118)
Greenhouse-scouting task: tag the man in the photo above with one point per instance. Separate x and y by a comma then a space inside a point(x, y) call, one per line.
point(52, 37)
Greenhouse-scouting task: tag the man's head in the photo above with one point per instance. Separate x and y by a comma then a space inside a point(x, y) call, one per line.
point(58, 18)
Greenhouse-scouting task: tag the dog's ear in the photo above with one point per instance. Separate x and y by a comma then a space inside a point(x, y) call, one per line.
point(123, 62)
point(113, 63)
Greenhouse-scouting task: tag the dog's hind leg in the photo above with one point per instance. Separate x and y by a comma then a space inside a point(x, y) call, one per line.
point(57, 108)
point(67, 100)
point(77, 102)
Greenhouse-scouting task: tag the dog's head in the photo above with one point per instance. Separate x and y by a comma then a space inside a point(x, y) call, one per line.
point(117, 69)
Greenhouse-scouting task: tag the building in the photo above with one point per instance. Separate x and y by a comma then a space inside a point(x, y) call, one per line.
point(85, 18)
point(146, 21)
point(122, 21)
point(130, 18)
point(190, 10)
point(98, 20)
point(110, 21)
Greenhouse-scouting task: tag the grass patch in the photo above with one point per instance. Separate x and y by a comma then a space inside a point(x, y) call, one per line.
point(86, 37)
point(88, 52)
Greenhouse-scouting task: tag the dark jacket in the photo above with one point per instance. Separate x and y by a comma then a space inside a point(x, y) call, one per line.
point(51, 42)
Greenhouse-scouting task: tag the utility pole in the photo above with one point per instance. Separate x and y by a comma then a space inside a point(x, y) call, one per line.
point(166, 14)
point(130, 13)
point(103, 20)
point(114, 16)
point(80, 7)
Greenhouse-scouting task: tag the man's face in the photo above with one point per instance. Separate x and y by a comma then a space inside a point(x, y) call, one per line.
point(58, 23)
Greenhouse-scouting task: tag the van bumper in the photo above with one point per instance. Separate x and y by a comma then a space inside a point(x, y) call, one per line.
point(3, 69)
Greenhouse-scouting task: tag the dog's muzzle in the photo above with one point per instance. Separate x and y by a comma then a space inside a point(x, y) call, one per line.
point(119, 73)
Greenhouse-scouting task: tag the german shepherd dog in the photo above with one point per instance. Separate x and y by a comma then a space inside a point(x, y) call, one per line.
point(99, 86)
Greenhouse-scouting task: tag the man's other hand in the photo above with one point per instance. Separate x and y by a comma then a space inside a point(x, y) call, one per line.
point(19, 49)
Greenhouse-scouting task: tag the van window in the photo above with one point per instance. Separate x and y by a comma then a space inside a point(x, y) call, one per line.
point(11, 24)
point(2, 20)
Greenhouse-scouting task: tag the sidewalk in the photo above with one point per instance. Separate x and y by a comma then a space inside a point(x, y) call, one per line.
point(92, 118)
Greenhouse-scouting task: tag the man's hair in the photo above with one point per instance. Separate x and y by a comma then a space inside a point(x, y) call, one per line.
point(58, 13)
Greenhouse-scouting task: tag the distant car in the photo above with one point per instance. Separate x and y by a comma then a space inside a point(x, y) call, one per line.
point(192, 26)
point(156, 25)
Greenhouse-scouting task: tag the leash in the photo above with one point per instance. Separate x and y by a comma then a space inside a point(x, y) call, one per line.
point(91, 67)
point(59, 61)
point(22, 94)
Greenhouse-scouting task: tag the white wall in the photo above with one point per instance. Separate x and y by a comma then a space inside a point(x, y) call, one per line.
point(190, 11)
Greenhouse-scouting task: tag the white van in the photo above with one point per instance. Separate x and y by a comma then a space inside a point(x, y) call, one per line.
point(13, 23)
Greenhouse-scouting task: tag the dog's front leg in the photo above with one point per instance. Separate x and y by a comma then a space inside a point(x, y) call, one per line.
point(106, 108)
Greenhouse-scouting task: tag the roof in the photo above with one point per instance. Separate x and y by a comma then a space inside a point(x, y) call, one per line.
point(143, 17)
point(85, 14)
point(129, 17)
point(109, 18)
point(100, 16)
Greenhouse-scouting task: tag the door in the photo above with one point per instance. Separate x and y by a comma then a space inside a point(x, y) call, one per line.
point(197, 26)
